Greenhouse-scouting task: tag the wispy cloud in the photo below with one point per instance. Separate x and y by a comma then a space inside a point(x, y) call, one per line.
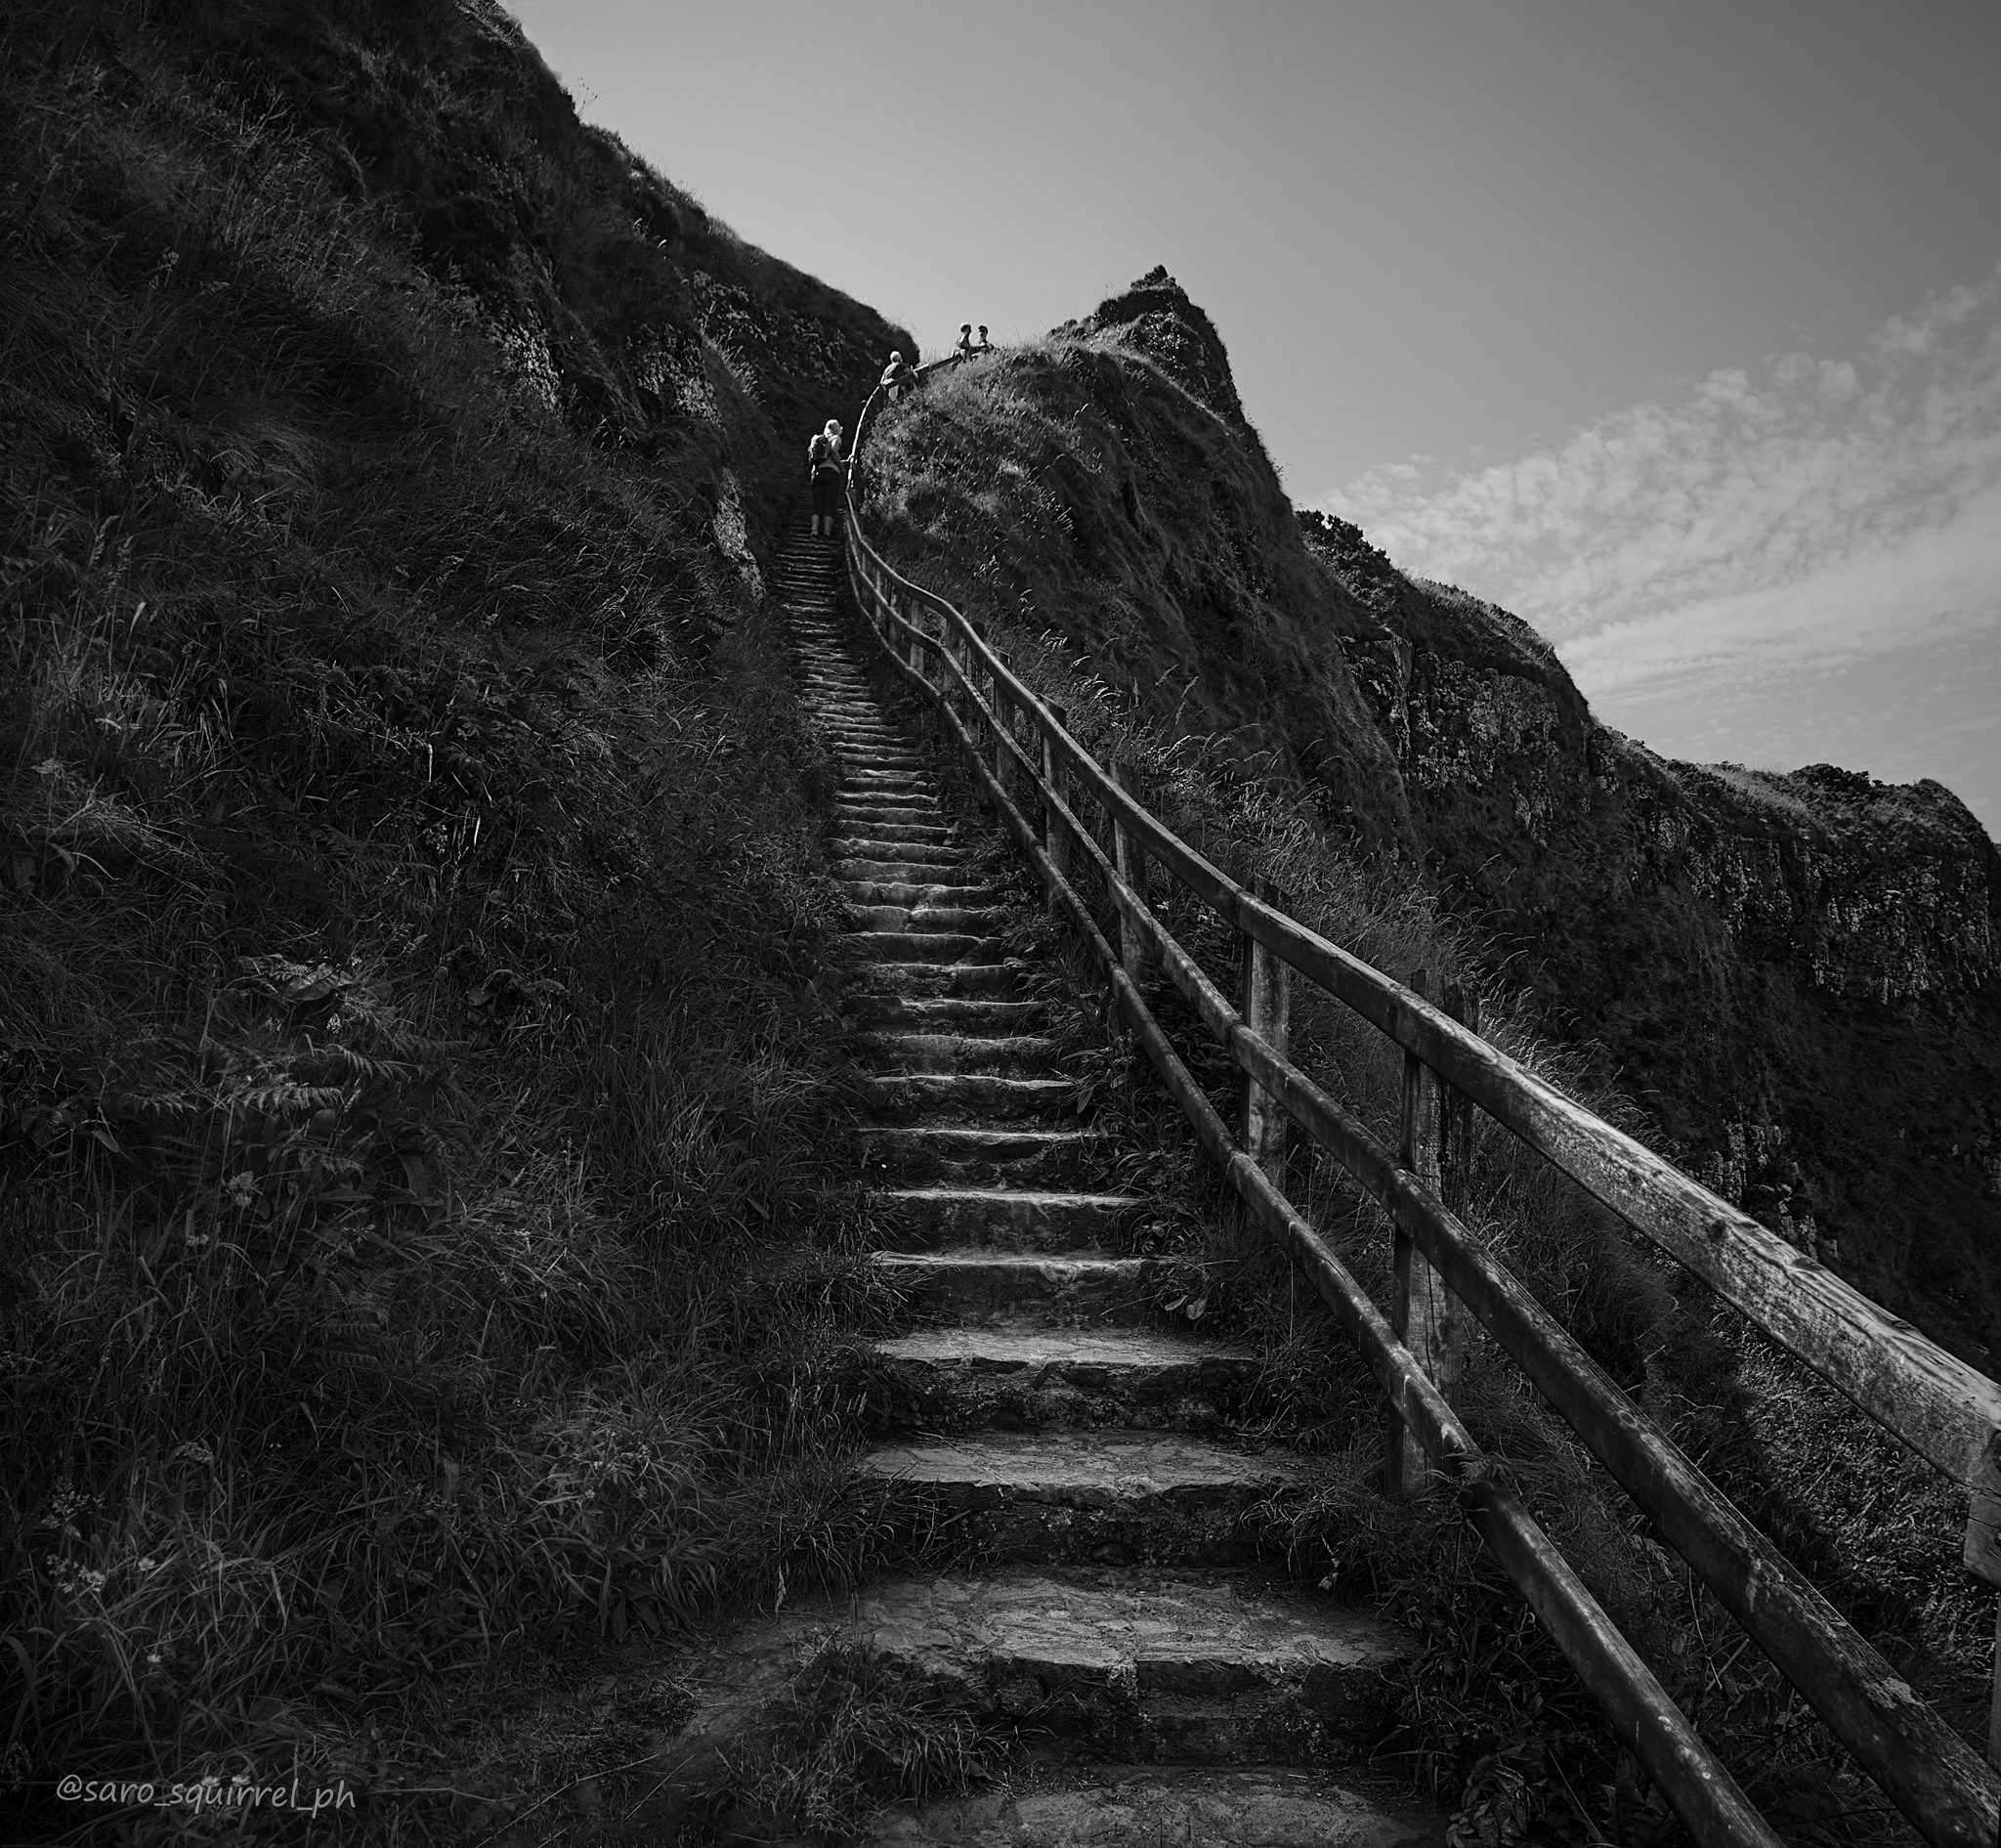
point(1810, 514)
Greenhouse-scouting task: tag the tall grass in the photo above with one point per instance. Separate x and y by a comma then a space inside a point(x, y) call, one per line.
point(416, 1111)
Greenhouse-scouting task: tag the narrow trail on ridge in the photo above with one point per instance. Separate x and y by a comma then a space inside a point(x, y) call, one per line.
point(1101, 1593)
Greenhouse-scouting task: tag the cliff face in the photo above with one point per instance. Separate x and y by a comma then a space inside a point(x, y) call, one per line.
point(1796, 976)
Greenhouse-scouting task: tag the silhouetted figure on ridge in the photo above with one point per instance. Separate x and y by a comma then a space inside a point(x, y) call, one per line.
point(985, 345)
point(964, 349)
point(828, 468)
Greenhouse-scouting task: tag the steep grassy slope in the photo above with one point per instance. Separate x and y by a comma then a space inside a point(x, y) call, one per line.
point(412, 1089)
point(1797, 975)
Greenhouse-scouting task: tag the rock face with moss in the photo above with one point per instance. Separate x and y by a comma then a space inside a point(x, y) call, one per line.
point(1795, 975)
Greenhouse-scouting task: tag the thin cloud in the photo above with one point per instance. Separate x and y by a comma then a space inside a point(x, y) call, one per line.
point(1804, 516)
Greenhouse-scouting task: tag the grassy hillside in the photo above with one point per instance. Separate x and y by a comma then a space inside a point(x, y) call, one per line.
point(413, 1094)
point(1095, 502)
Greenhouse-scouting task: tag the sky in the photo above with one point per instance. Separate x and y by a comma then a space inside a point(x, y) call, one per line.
point(1675, 327)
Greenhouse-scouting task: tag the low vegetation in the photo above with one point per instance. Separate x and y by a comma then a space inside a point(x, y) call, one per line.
point(415, 1104)
point(1495, 1721)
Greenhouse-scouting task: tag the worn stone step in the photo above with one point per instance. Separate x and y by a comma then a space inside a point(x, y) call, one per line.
point(963, 1097)
point(947, 1015)
point(856, 853)
point(898, 835)
point(1186, 1805)
point(1211, 1667)
point(984, 920)
point(865, 815)
point(1019, 1055)
point(912, 893)
point(864, 776)
point(1026, 1376)
point(1104, 1677)
point(1114, 1496)
point(1060, 1289)
point(944, 947)
point(883, 799)
point(1007, 1219)
point(970, 1156)
point(899, 849)
point(934, 981)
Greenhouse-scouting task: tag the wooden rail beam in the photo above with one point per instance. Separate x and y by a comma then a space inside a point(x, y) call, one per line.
point(1267, 1005)
point(1428, 1321)
point(1135, 946)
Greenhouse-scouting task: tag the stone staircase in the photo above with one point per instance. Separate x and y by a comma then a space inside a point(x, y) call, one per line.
point(1102, 1591)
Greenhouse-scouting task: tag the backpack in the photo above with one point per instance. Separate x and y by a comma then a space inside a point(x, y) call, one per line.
point(820, 450)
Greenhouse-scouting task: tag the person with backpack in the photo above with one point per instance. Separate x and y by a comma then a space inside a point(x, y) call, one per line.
point(898, 376)
point(828, 468)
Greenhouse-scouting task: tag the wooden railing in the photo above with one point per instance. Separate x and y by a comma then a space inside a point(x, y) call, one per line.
point(1042, 784)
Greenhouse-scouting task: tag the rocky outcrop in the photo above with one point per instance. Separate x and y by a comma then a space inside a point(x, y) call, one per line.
point(1799, 974)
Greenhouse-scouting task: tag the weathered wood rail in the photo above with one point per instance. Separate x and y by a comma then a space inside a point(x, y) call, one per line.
point(1042, 783)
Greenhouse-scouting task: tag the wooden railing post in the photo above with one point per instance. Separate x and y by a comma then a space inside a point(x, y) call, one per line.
point(1982, 1558)
point(1056, 836)
point(1456, 1113)
point(1136, 948)
point(1266, 1006)
point(1003, 707)
point(1427, 1320)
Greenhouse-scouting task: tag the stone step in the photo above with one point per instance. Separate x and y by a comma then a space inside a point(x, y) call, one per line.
point(1189, 1805)
point(906, 834)
point(917, 981)
point(851, 849)
point(863, 815)
point(1069, 1289)
point(850, 754)
point(1176, 1666)
point(862, 777)
point(914, 893)
point(962, 1097)
point(950, 1015)
point(1022, 1376)
point(1112, 1496)
point(1019, 1055)
point(1005, 1218)
point(927, 853)
point(883, 799)
point(984, 920)
point(972, 1157)
point(947, 948)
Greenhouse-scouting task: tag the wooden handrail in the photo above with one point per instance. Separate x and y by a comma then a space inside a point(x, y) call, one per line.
point(1943, 1411)
point(1942, 1407)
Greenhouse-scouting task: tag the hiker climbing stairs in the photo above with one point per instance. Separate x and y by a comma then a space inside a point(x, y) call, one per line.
point(1103, 1592)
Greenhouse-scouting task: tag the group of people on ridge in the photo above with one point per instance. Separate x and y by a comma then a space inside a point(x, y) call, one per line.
point(826, 463)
